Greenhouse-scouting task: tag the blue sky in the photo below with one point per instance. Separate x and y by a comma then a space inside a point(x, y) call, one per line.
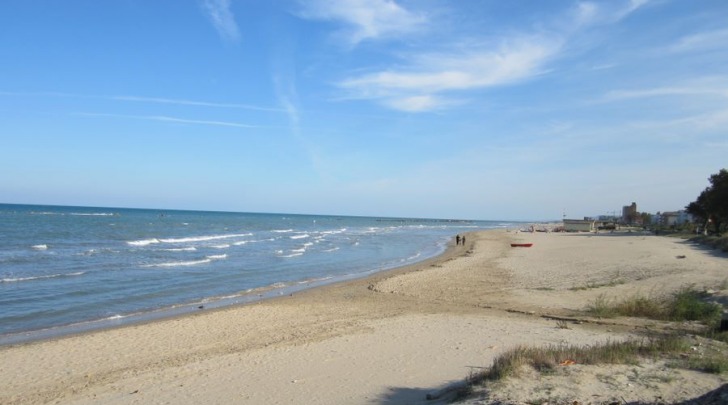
point(480, 109)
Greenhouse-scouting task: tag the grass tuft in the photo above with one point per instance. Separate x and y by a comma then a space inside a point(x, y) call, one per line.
point(602, 307)
point(545, 359)
point(689, 304)
point(642, 307)
point(686, 304)
point(708, 365)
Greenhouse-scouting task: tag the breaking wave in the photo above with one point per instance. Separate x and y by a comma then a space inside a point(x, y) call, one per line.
point(21, 279)
point(151, 241)
point(207, 259)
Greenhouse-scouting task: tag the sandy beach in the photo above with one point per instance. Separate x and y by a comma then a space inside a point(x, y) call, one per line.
point(392, 338)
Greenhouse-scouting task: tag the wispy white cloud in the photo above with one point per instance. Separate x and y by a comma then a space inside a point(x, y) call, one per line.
point(427, 80)
point(365, 19)
point(593, 13)
point(604, 66)
point(44, 94)
point(716, 39)
point(222, 18)
point(629, 8)
point(617, 95)
point(198, 122)
point(710, 120)
point(287, 96)
point(141, 99)
point(586, 14)
point(164, 118)
point(417, 103)
point(415, 87)
point(706, 86)
point(159, 100)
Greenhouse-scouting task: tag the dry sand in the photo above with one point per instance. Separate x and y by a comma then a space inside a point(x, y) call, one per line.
point(392, 338)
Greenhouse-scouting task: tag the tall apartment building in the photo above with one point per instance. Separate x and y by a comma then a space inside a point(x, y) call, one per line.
point(629, 213)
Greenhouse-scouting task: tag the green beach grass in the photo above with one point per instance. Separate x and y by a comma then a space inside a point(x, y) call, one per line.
point(685, 304)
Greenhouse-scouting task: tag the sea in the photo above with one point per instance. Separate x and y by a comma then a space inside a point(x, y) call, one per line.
point(73, 269)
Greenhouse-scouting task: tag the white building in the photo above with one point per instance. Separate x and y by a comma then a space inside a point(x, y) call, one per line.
point(671, 218)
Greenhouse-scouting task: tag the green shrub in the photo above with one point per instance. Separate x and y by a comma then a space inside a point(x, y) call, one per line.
point(688, 304)
point(546, 358)
point(642, 307)
point(602, 307)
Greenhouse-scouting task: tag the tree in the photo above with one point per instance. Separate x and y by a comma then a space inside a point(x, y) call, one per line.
point(711, 205)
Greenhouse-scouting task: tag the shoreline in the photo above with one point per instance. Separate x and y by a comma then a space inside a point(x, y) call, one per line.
point(208, 304)
point(393, 337)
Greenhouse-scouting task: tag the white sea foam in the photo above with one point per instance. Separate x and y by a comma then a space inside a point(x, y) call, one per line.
point(292, 255)
point(40, 247)
point(314, 280)
point(20, 279)
point(180, 264)
point(342, 230)
point(413, 257)
point(225, 246)
point(204, 238)
point(184, 249)
point(303, 250)
point(93, 252)
point(92, 214)
point(243, 242)
point(303, 236)
point(264, 289)
point(145, 242)
point(207, 259)
point(332, 249)
point(282, 230)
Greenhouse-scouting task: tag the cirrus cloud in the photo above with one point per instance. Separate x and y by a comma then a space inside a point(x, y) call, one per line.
point(364, 19)
point(222, 18)
point(415, 88)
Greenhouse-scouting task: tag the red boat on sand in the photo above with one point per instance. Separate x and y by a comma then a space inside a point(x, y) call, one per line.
point(521, 244)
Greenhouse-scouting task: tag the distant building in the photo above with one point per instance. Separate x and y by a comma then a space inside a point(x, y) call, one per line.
point(672, 218)
point(579, 225)
point(629, 213)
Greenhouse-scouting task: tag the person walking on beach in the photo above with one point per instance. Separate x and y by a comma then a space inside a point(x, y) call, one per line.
point(463, 240)
point(457, 240)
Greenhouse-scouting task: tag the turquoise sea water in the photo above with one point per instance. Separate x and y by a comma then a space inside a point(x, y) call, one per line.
point(75, 268)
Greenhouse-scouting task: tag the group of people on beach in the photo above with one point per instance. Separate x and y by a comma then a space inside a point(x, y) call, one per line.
point(459, 239)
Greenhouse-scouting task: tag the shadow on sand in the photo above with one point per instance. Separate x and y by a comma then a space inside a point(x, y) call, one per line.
point(399, 395)
point(430, 396)
point(705, 248)
point(718, 396)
